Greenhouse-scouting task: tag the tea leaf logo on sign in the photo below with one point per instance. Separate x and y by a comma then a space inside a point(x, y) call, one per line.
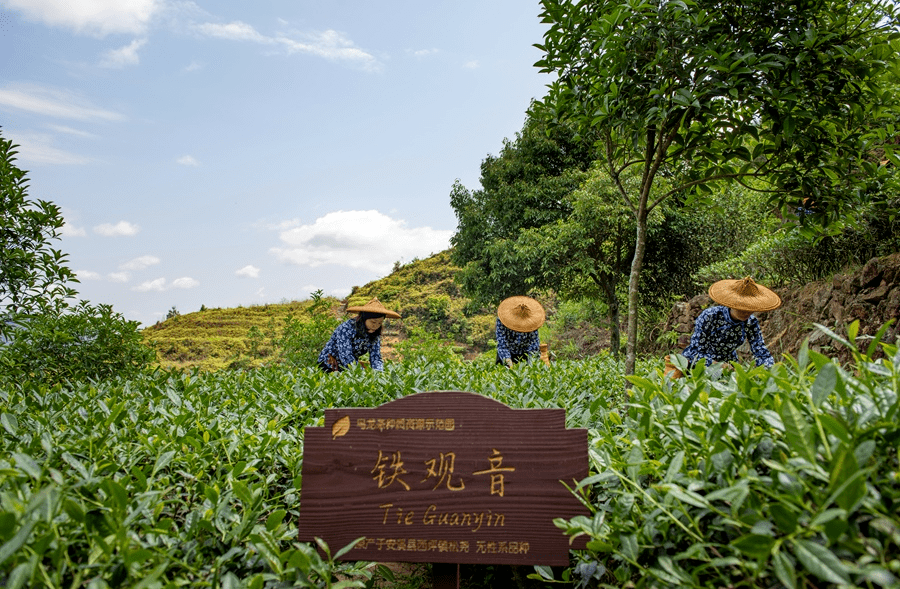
point(340, 427)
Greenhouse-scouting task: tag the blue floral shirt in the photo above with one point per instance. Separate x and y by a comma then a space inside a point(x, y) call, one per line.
point(347, 346)
point(516, 343)
point(717, 336)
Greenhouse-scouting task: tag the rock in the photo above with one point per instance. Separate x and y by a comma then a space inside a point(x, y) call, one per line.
point(870, 295)
point(822, 296)
point(870, 274)
point(875, 295)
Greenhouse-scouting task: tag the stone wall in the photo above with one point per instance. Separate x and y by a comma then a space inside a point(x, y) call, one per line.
point(870, 294)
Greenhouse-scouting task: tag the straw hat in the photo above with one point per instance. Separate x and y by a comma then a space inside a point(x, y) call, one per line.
point(373, 306)
point(744, 295)
point(521, 314)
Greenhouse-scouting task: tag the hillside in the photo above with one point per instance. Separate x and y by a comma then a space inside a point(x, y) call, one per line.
point(431, 305)
point(422, 291)
point(869, 294)
point(212, 339)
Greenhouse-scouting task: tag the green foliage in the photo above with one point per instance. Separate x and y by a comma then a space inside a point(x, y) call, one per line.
point(525, 187)
point(423, 346)
point(194, 479)
point(783, 477)
point(301, 342)
point(33, 275)
point(789, 255)
point(83, 342)
point(792, 98)
point(788, 477)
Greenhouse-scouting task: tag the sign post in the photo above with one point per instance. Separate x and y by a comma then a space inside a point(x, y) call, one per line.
point(443, 477)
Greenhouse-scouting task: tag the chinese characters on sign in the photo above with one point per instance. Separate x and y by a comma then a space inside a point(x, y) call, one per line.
point(443, 476)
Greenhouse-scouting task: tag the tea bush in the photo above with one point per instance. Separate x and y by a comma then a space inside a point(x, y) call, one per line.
point(781, 478)
point(174, 479)
point(759, 478)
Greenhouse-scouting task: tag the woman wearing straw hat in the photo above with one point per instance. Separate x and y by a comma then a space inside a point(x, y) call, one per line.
point(720, 330)
point(518, 319)
point(355, 337)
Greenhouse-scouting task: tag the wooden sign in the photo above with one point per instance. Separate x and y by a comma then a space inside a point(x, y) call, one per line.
point(443, 477)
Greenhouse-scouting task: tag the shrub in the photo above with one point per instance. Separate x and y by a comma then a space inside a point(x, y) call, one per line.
point(85, 342)
point(785, 477)
point(422, 345)
point(301, 341)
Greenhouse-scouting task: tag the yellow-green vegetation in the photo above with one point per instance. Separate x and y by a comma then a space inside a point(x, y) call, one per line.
point(213, 339)
point(423, 292)
point(428, 298)
point(437, 319)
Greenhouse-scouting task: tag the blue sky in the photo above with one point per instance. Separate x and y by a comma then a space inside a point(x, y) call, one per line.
point(237, 153)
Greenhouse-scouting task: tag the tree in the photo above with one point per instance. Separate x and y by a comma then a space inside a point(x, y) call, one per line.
point(83, 342)
point(789, 98)
point(586, 253)
point(33, 275)
point(41, 336)
point(523, 188)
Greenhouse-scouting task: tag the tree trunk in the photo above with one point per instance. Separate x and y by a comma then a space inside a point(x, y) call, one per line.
point(634, 279)
point(612, 302)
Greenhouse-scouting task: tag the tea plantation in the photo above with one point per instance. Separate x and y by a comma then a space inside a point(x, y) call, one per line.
point(786, 477)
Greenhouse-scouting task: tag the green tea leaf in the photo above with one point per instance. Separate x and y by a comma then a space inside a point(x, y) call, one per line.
point(17, 541)
point(243, 493)
point(821, 562)
point(10, 423)
point(847, 480)
point(27, 464)
point(835, 427)
point(824, 384)
point(784, 518)
point(755, 545)
point(162, 461)
point(797, 430)
point(21, 575)
point(784, 570)
point(275, 518)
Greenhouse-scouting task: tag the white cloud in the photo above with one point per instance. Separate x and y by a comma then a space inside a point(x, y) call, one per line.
point(87, 275)
point(158, 284)
point(39, 149)
point(471, 65)
point(193, 66)
point(185, 282)
point(69, 230)
point(424, 52)
point(328, 44)
point(234, 31)
point(71, 131)
point(358, 239)
point(140, 263)
point(248, 272)
point(123, 56)
point(161, 285)
point(120, 229)
point(53, 102)
point(92, 17)
point(187, 160)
